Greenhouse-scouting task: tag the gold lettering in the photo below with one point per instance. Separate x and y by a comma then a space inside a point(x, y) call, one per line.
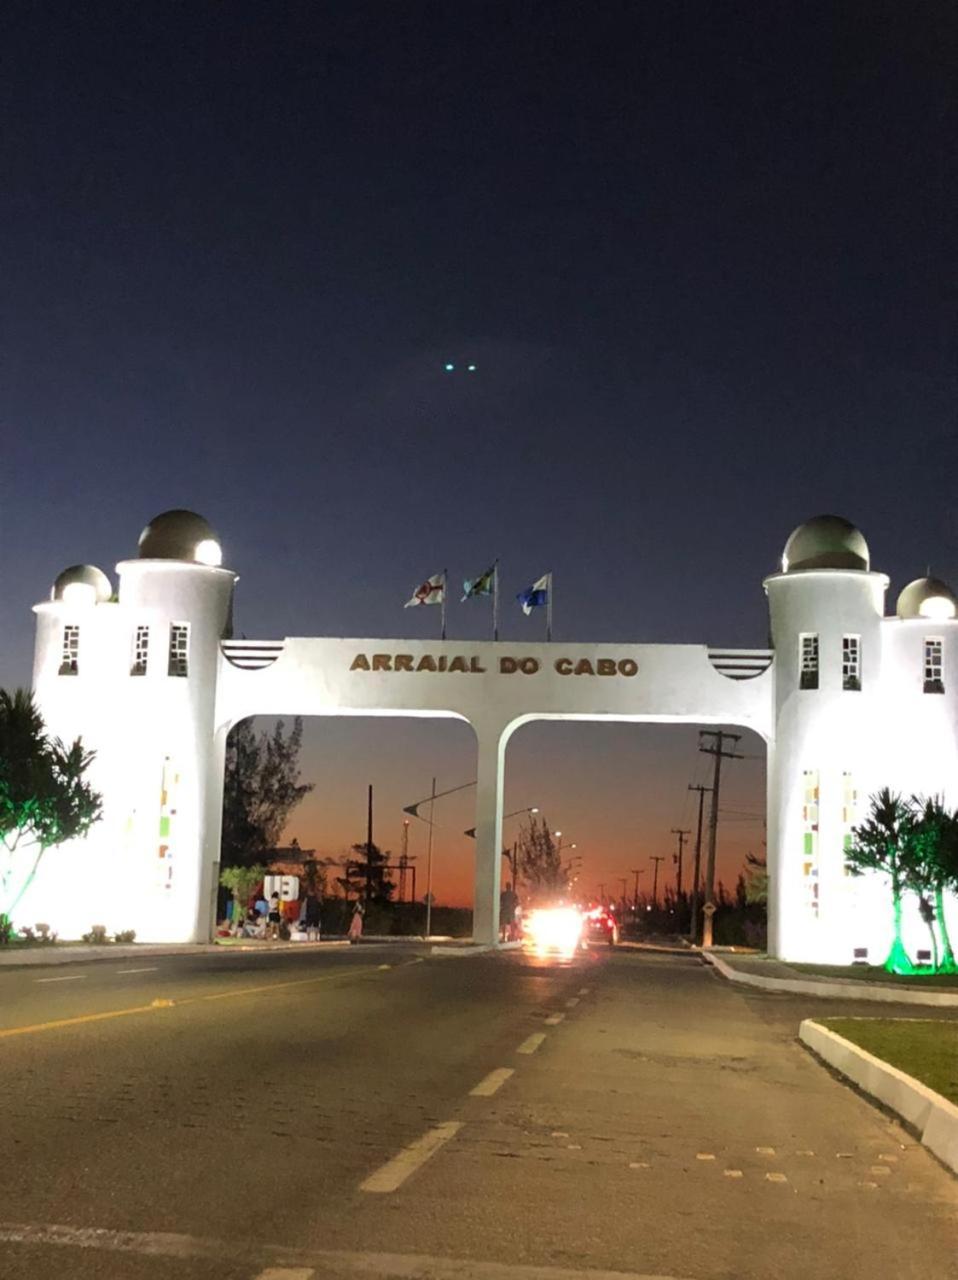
point(528, 666)
point(382, 662)
point(442, 662)
point(426, 663)
point(402, 662)
point(508, 666)
point(458, 664)
point(564, 666)
point(628, 667)
point(605, 667)
point(476, 667)
point(360, 663)
point(583, 668)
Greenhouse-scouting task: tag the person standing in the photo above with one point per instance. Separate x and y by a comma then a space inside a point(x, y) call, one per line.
point(311, 917)
point(275, 917)
point(356, 924)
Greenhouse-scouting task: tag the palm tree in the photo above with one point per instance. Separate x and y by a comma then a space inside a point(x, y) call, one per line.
point(933, 869)
point(883, 843)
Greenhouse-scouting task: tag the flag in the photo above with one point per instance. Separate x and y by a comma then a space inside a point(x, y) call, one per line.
point(536, 595)
point(484, 585)
point(432, 591)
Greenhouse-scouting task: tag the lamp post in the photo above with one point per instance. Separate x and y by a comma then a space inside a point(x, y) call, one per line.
point(413, 811)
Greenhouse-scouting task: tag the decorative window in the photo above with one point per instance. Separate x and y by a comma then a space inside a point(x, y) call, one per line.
point(934, 682)
point(141, 648)
point(70, 654)
point(852, 662)
point(179, 649)
point(810, 879)
point(849, 814)
point(808, 676)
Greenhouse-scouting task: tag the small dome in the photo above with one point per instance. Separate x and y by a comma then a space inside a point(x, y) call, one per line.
point(180, 535)
point(927, 598)
point(826, 542)
point(82, 584)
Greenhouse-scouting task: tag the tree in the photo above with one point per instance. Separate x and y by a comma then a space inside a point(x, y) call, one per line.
point(932, 868)
point(45, 799)
point(756, 880)
point(540, 863)
point(884, 843)
point(365, 874)
point(260, 790)
point(241, 881)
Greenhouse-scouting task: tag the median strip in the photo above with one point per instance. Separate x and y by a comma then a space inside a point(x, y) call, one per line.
point(394, 1173)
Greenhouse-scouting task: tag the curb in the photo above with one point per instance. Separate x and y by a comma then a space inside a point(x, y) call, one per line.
point(933, 1117)
point(834, 990)
point(51, 956)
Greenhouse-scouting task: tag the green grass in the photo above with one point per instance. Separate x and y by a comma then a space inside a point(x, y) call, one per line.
point(927, 1050)
point(875, 973)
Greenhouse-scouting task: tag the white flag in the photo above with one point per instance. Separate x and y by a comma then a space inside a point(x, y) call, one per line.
point(432, 591)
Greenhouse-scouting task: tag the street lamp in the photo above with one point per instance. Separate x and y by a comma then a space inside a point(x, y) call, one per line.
point(509, 855)
point(413, 811)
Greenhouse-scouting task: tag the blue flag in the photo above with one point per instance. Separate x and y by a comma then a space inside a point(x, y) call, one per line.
point(536, 595)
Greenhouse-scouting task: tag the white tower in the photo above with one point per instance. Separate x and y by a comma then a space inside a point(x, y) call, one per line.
point(137, 676)
point(853, 713)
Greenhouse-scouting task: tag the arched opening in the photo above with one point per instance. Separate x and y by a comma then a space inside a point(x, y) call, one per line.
point(323, 841)
point(620, 792)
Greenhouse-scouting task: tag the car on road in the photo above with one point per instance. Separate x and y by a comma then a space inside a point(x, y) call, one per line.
point(600, 925)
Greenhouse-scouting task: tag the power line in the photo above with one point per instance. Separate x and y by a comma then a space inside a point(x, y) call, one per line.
point(719, 738)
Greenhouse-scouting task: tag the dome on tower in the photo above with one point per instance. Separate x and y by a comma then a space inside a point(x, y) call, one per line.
point(825, 542)
point(82, 584)
point(927, 598)
point(180, 535)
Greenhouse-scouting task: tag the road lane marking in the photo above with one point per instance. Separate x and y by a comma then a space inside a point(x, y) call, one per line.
point(286, 1273)
point(394, 1173)
point(71, 977)
point(765, 1151)
point(81, 1019)
point(583, 991)
point(531, 1043)
point(554, 1019)
point(151, 969)
point(639, 1164)
point(705, 1155)
point(385, 966)
point(571, 1004)
point(492, 1082)
point(775, 1177)
point(733, 1173)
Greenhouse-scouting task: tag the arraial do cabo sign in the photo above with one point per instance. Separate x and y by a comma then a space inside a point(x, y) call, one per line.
point(505, 664)
point(847, 698)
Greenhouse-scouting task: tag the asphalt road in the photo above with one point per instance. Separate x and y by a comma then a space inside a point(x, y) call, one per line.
point(305, 1117)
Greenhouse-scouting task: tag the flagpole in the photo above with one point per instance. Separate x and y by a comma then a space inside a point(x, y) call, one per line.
point(495, 601)
point(445, 584)
point(549, 610)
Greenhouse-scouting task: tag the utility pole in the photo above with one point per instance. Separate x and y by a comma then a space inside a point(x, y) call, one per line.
point(602, 892)
point(697, 876)
point(369, 844)
point(678, 877)
point(655, 878)
point(636, 871)
point(432, 805)
point(624, 882)
point(719, 738)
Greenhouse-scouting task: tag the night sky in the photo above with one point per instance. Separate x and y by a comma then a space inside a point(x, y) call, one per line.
point(702, 255)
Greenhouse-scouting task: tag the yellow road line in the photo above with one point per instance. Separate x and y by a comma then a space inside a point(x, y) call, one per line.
point(6, 1033)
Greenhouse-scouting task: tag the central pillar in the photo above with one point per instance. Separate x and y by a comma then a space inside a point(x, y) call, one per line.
point(489, 776)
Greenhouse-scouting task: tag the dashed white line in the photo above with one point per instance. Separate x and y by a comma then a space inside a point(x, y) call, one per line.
point(571, 1004)
point(394, 1173)
point(492, 1082)
point(70, 977)
point(583, 991)
point(554, 1019)
point(531, 1043)
point(286, 1273)
point(150, 969)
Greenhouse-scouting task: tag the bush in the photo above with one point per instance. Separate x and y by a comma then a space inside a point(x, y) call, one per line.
point(44, 936)
point(125, 935)
point(97, 935)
